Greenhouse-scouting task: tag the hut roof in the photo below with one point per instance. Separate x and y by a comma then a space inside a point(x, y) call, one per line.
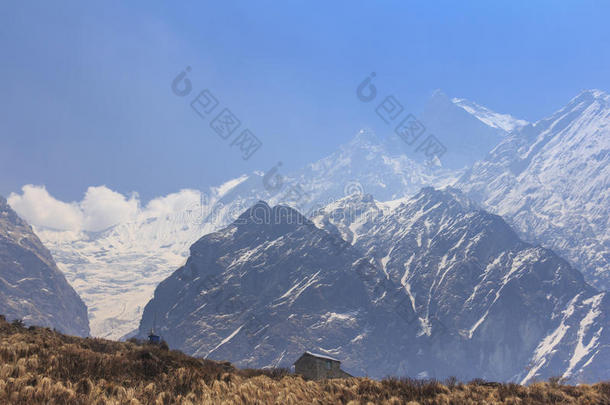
point(320, 356)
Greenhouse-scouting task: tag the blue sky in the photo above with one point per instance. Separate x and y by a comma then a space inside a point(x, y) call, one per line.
point(87, 98)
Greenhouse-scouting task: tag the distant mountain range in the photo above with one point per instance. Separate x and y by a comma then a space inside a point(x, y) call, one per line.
point(116, 270)
point(549, 180)
point(32, 288)
point(432, 287)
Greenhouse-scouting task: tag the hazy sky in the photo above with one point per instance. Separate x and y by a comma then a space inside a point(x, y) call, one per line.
point(87, 100)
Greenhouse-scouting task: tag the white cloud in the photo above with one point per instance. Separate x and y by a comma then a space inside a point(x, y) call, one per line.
point(172, 203)
point(100, 208)
point(103, 208)
point(39, 208)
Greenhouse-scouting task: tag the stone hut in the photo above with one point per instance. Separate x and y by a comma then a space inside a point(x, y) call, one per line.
point(313, 366)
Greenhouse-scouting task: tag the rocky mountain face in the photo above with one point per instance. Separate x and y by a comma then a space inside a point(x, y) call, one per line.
point(431, 287)
point(550, 180)
point(31, 286)
point(272, 285)
point(506, 308)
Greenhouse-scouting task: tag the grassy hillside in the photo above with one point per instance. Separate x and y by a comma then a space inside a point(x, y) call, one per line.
point(38, 366)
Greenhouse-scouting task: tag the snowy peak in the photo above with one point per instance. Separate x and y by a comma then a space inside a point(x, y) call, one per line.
point(505, 122)
point(350, 216)
point(263, 214)
point(364, 138)
point(465, 136)
point(590, 96)
point(259, 299)
point(367, 165)
point(276, 221)
point(593, 104)
point(448, 197)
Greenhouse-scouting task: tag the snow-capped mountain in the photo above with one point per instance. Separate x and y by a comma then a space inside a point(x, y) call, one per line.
point(520, 310)
point(366, 164)
point(468, 131)
point(551, 181)
point(31, 286)
point(433, 286)
point(116, 270)
point(270, 286)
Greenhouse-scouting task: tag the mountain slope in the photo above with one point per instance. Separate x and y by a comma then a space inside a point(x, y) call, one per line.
point(116, 270)
point(551, 181)
point(31, 286)
point(270, 286)
point(468, 132)
point(505, 122)
point(508, 309)
point(451, 290)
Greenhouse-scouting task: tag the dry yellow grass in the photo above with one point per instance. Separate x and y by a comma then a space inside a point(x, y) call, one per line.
point(39, 366)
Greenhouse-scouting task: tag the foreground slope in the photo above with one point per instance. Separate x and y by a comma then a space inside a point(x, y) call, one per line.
point(39, 366)
point(31, 286)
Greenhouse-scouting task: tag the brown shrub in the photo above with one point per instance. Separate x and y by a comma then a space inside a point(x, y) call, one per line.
point(39, 366)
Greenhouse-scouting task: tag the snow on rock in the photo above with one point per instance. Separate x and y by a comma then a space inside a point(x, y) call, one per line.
point(433, 285)
point(506, 122)
point(550, 181)
point(302, 291)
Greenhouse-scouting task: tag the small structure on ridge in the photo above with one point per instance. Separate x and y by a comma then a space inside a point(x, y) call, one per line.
point(313, 366)
point(153, 339)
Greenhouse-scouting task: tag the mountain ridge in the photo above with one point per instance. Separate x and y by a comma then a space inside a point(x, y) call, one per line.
point(438, 302)
point(550, 181)
point(32, 288)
